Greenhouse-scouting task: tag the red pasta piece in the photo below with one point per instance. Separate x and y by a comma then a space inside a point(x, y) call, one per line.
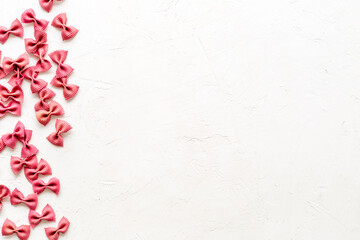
point(17, 163)
point(43, 168)
point(31, 74)
point(15, 29)
point(39, 186)
point(29, 16)
point(56, 137)
point(42, 65)
point(32, 45)
point(17, 66)
point(13, 107)
point(47, 214)
point(16, 94)
point(44, 94)
point(47, 4)
point(53, 233)
point(10, 139)
point(9, 228)
point(44, 116)
point(67, 32)
point(59, 57)
point(69, 90)
point(4, 193)
point(2, 71)
point(17, 198)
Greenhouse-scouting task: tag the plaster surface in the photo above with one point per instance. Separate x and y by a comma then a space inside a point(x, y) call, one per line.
point(216, 119)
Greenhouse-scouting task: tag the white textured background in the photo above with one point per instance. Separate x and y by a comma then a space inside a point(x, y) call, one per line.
point(202, 119)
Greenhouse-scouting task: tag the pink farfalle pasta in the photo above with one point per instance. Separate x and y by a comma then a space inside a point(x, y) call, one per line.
point(31, 74)
point(32, 45)
point(16, 66)
point(59, 57)
point(29, 16)
point(67, 32)
point(2, 70)
point(18, 197)
point(9, 228)
point(53, 233)
point(4, 193)
point(42, 65)
point(39, 47)
point(43, 168)
point(28, 149)
point(62, 127)
point(69, 90)
point(13, 107)
point(15, 29)
point(2, 145)
point(44, 116)
point(47, 4)
point(16, 94)
point(47, 214)
point(44, 95)
point(18, 163)
point(10, 139)
point(53, 185)
point(10, 65)
point(22, 135)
